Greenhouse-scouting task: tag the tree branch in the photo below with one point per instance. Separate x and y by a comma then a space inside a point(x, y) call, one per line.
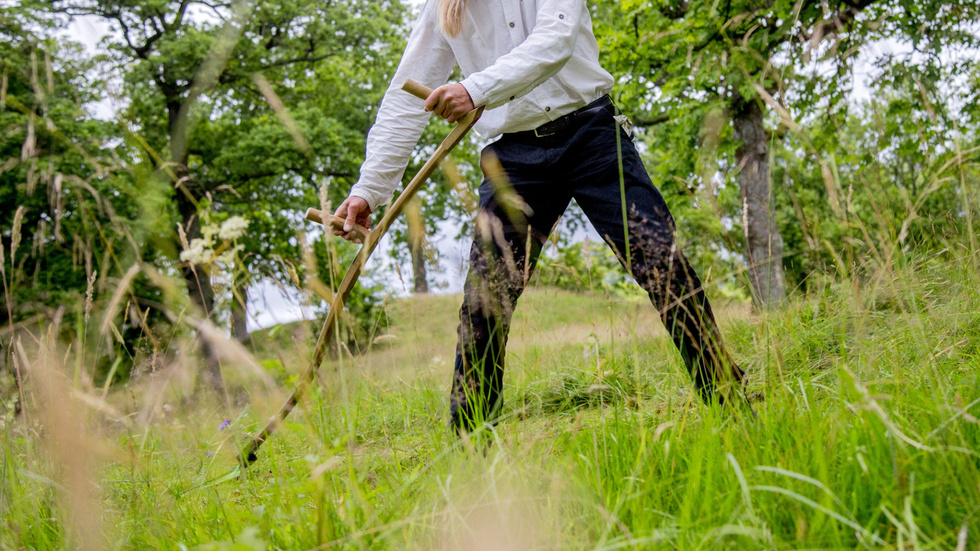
point(837, 21)
point(179, 18)
point(647, 122)
point(307, 59)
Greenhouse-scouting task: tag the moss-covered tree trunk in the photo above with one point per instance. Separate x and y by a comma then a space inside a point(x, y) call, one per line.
point(187, 194)
point(763, 242)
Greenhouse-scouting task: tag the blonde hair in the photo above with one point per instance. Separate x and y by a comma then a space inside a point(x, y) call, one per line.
point(451, 16)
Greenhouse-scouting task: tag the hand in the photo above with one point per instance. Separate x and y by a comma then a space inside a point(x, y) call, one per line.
point(450, 101)
point(354, 210)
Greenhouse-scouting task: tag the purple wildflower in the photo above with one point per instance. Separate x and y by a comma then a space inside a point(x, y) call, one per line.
point(224, 424)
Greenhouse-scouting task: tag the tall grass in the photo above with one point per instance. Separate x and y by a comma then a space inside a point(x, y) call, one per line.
point(867, 436)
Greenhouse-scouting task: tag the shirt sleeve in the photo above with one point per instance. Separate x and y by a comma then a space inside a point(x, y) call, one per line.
point(545, 51)
point(401, 118)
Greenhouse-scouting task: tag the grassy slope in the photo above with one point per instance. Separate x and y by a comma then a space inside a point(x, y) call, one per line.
point(865, 438)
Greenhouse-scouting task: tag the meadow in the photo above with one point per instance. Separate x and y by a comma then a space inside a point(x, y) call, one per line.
point(819, 157)
point(866, 435)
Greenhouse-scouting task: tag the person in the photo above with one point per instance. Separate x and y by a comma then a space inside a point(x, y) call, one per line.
point(534, 66)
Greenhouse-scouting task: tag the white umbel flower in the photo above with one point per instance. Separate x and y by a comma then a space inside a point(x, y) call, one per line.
point(197, 253)
point(228, 257)
point(233, 228)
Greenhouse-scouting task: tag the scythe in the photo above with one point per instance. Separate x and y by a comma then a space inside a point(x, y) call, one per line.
point(370, 240)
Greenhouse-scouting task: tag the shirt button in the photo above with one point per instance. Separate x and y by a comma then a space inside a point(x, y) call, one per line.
point(512, 24)
point(561, 16)
point(547, 109)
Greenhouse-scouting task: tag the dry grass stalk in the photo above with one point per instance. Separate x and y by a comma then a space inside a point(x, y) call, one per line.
point(313, 283)
point(36, 79)
point(89, 292)
point(459, 185)
point(231, 352)
point(325, 205)
point(416, 224)
point(515, 209)
point(172, 380)
point(66, 444)
point(209, 71)
point(15, 233)
point(99, 405)
point(48, 72)
point(174, 296)
point(113, 307)
point(280, 109)
point(4, 80)
point(138, 317)
point(489, 514)
point(57, 205)
point(961, 538)
point(32, 176)
point(184, 243)
point(30, 142)
point(3, 277)
point(19, 378)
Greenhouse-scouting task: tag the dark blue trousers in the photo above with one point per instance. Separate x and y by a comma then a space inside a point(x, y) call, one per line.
point(529, 181)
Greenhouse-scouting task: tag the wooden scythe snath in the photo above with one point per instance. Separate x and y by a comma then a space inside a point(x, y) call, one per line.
point(370, 240)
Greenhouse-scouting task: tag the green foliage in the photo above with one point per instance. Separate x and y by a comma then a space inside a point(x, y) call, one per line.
point(363, 319)
point(585, 266)
point(684, 68)
point(680, 68)
point(249, 109)
point(73, 204)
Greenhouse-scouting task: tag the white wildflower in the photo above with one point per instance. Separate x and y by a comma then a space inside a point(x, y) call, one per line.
point(233, 228)
point(208, 230)
point(229, 256)
point(198, 253)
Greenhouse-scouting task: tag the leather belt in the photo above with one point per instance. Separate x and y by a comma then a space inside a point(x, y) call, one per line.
point(568, 122)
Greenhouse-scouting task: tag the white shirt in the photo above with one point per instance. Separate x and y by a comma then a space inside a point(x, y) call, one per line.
point(528, 61)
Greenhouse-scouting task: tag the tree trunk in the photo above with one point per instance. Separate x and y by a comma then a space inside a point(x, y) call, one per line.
point(198, 280)
point(763, 243)
point(239, 312)
point(187, 194)
point(418, 269)
point(416, 246)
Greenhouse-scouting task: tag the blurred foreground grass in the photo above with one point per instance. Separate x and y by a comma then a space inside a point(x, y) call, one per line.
point(866, 436)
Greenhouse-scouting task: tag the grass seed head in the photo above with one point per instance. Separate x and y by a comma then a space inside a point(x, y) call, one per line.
point(15, 233)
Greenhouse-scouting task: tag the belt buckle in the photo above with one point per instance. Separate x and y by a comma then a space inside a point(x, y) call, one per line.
point(558, 125)
point(538, 133)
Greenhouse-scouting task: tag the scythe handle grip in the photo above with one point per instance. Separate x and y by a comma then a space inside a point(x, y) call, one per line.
point(335, 222)
point(418, 90)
